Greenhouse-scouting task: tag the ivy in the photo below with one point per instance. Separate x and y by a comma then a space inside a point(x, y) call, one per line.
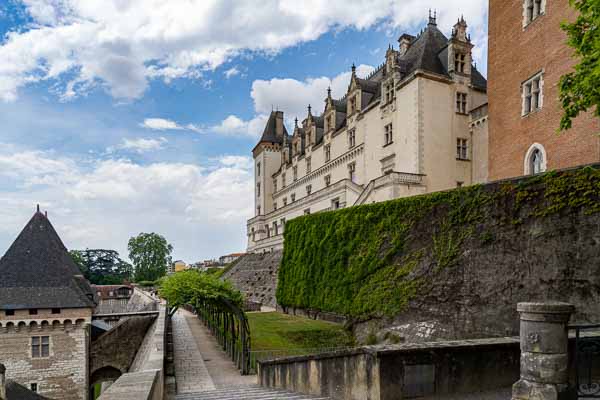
point(372, 260)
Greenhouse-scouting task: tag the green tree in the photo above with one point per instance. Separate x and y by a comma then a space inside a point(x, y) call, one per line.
point(150, 254)
point(102, 267)
point(580, 90)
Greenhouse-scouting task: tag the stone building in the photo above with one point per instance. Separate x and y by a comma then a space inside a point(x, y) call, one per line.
point(527, 56)
point(45, 314)
point(401, 131)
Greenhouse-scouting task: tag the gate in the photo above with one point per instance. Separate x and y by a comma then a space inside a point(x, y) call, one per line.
point(586, 361)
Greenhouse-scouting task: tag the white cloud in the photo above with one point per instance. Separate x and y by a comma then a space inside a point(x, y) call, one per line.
point(120, 45)
point(275, 92)
point(101, 203)
point(235, 126)
point(161, 124)
point(139, 145)
point(233, 71)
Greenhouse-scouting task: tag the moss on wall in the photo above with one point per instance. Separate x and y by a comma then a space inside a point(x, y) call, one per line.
point(361, 261)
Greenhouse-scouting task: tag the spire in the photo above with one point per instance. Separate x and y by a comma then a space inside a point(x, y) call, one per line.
point(432, 19)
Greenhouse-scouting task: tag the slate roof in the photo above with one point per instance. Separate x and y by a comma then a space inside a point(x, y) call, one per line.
point(270, 132)
point(14, 391)
point(423, 52)
point(38, 272)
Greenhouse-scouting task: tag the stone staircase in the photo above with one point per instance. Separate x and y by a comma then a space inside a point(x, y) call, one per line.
point(247, 393)
point(255, 275)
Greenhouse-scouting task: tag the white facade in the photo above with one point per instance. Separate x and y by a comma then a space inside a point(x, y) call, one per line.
point(402, 131)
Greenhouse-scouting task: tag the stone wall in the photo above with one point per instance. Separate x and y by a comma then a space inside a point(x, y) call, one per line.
point(485, 369)
point(62, 375)
point(255, 275)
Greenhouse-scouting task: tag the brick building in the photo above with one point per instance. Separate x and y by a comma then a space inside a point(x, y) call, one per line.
point(45, 314)
point(527, 56)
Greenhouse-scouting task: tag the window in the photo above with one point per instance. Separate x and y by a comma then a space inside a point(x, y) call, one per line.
point(268, 231)
point(308, 189)
point(9, 312)
point(258, 190)
point(258, 210)
point(285, 201)
point(330, 123)
point(295, 169)
point(32, 311)
point(461, 149)
point(40, 346)
point(307, 211)
point(535, 159)
point(293, 197)
point(33, 387)
point(282, 225)
point(274, 227)
point(388, 135)
point(56, 311)
point(327, 152)
point(389, 92)
point(352, 106)
point(459, 62)
point(351, 138)
point(282, 180)
point(307, 165)
point(253, 235)
point(532, 94)
point(536, 162)
point(461, 102)
point(327, 180)
point(352, 172)
point(533, 9)
point(258, 169)
point(335, 203)
point(275, 184)
point(275, 205)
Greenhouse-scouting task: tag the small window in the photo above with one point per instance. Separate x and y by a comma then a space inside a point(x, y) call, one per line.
point(33, 311)
point(327, 180)
point(285, 201)
point(462, 149)
point(9, 312)
point(293, 197)
point(352, 172)
point(351, 138)
point(389, 92)
point(459, 62)
point(258, 190)
point(275, 228)
point(56, 311)
point(295, 171)
point(40, 346)
point(461, 103)
point(308, 189)
point(532, 94)
point(388, 135)
point(275, 205)
point(268, 231)
point(253, 235)
point(282, 225)
point(33, 387)
point(533, 9)
point(307, 211)
point(258, 169)
point(327, 152)
point(352, 107)
point(282, 180)
point(275, 184)
point(258, 210)
point(307, 165)
point(335, 204)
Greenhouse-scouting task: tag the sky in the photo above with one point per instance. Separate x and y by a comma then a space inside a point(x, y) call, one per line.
point(128, 116)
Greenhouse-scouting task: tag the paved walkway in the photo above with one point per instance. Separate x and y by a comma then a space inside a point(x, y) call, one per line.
point(200, 364)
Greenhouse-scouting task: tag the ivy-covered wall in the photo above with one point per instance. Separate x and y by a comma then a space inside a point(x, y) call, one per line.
point(454, 263)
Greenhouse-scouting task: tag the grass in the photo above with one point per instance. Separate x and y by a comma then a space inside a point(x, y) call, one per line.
point(276, 331)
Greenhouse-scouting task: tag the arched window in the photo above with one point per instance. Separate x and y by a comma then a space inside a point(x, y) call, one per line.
point(535, 160)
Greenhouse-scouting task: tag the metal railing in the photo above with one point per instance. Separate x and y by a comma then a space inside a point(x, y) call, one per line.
point(586, 360)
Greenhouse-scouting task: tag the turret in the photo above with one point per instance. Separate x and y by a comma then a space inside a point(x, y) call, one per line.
point(459, 49)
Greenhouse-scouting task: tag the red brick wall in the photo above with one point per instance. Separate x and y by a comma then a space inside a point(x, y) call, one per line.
point(515, 54)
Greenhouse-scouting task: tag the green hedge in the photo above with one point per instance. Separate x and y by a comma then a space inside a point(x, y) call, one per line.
point(360, 261)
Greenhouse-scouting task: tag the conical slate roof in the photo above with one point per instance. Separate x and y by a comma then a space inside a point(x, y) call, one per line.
point(270, 132)
point(38, 272)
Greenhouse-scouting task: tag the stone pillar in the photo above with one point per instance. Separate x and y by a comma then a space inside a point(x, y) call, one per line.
point(544, 351)
point(2, 382)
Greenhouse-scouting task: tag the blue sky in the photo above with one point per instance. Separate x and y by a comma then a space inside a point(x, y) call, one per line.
point(126, 116)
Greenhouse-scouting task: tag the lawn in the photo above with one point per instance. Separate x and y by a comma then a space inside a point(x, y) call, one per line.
point(276, 331)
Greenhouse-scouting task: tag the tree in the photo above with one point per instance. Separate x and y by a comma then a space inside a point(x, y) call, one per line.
point(579, 91)
point(102, 267)
point(150, 254)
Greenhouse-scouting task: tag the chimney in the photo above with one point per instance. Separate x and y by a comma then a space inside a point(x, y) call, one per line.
point(2, 382)
point(279, 123)
point(405, 41)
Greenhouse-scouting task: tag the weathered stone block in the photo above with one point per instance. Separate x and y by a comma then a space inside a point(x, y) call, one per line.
point(545, 368)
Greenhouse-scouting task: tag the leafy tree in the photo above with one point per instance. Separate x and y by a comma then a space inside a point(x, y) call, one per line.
point(150, 254)
point(102, 267)
point(580, 89)
point(191, 286)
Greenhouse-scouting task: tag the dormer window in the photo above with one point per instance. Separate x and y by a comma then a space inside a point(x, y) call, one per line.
point(389, 92)
point(352, 105)
point(459, 62)
point(351, 138)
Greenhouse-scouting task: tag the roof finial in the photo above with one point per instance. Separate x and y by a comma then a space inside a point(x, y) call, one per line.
point(432, 19)
point(328, 91)
point(38, 208)
point(309, 108)
point(353, 69)
point(296, 122)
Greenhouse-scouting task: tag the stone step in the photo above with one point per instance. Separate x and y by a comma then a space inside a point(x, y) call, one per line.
point(247, 393)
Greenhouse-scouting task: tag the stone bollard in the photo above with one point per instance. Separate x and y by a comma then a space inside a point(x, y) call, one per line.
point(544, 351)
